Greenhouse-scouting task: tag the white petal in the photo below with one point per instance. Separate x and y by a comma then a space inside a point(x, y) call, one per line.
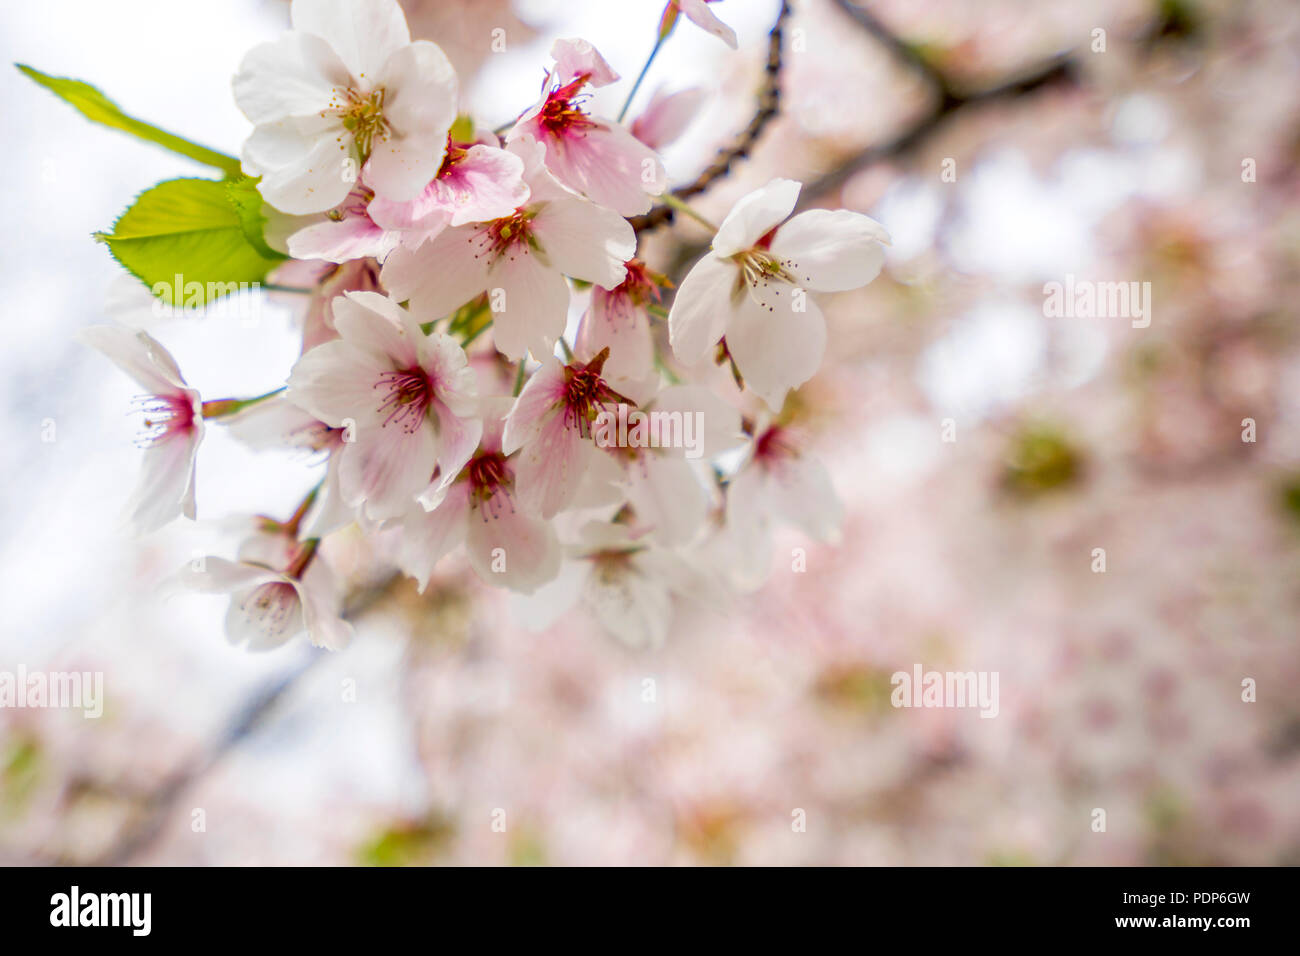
point(800, 491)
point(633, 608)
point(575, 57)
point(386, 467)
point(165, 489)
point(534, 407)
point(542, 608)
point(294, 76)
point(265, 616)
point(549, 471)
point(441, 275)
point(668, 116)
point(586, 241)
point(354, 237)
point(304, 168)
point(378, 327)
point(721, 421)
point(510, 548)
point(666, 495)
point(755, 215)
point(702, 307)
point(428, 536)
point(336, 382)
point(776, 347)
point(139, 355)
point(365, 33)
point(535, 306)
point(419, 109)
point(832, 251)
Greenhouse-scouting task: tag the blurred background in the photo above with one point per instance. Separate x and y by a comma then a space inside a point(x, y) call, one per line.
point(1005, 145)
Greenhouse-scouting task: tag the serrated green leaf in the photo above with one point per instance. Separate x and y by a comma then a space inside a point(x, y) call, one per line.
point(243, 195)
point(98, 108)
point(187, 240)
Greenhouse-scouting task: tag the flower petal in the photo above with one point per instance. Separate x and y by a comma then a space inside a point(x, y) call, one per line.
point(419, 109)
point(702, 307)
point(755, 215)
point(775, 346)
point(832, 250)
point(365, 33)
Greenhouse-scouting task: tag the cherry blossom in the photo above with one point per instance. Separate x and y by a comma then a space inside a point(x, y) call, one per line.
point(508, 545)
point(599, 158)
point(626, 582)
point(477, 182)
point(550, 427)
point(619, 319)
point(344, 89)
point(663, 485)
point(752, 286)
point(522, 257)
point(173, 424)
point(407, 398)
point(278, 589)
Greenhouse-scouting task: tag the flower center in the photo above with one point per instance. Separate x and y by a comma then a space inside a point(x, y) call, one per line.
point(407, 395)
point(489, 481)
point(774, 446)
point(561, 113)
point(272, 606)
point(362, 115)
point(166, 416)
point(585, 394)
point(506, 234)
point(759, 268)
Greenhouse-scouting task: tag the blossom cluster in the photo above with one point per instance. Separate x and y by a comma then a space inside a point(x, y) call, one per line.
point(441, 261)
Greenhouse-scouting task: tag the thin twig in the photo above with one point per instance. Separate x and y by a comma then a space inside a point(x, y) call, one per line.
point(769, 105)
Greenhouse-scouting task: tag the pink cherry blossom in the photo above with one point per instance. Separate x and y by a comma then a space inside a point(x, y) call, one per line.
point(344, 232)
point(173, 424)
point(550, 427)
point(778, 481)
point(752, 287)
point(619, 319)
point(666, 485)
point(278, 589)
point(599, 158)
point(407, 399)
point(476, 183)
point(625, 581)
point(522, 258)
point(508, 544)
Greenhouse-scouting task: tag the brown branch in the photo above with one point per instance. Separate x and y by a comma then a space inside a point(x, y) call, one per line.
point(250, 717)
point(769, 105)
point(1059, 70)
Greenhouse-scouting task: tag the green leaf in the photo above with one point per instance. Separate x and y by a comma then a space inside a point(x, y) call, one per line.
point(185, 232)
point(243, 195)
point(98, 108)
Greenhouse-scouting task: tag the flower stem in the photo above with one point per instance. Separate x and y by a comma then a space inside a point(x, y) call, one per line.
point(641, 76)
point(221, 407)
point(519, 376)
point(670, 200)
